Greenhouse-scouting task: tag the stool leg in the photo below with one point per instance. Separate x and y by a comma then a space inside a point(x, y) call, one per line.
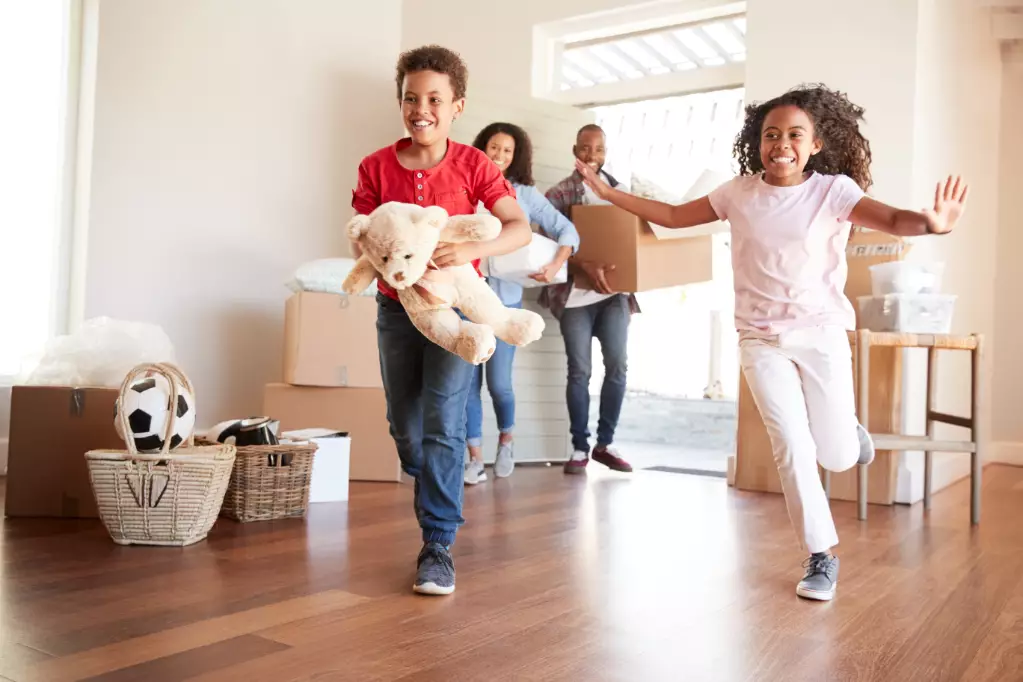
point(932, 396)
point(863, 409)
point(979, 430)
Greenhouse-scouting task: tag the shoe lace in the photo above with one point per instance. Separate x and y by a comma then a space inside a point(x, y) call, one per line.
point(435, 554)
point(817, 566)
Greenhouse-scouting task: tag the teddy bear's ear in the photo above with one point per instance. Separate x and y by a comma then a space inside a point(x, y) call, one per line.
point(357, 226)
point(435, 216)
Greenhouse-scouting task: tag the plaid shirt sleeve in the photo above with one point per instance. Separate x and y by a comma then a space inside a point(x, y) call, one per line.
point(563, 196)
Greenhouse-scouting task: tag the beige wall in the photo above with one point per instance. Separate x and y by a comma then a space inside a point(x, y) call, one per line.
point(226, 142)
point(1008, 324)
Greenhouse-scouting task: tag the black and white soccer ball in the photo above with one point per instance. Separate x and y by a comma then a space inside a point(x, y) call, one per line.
point(147, 405)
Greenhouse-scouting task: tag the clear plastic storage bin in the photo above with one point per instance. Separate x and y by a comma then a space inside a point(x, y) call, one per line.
point(913, 313)
point(900, 277)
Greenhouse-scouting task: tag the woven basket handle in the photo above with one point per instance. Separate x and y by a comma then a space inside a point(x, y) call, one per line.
point(173, 375)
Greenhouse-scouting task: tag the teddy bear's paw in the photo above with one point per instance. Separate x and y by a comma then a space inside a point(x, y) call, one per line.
point(524, 327)
point(476, 344)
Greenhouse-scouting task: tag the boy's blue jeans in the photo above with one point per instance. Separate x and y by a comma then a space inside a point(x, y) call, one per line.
point(498, 370)
point(426, 388)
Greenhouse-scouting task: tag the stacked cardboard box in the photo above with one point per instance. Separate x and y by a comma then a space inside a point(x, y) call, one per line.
point(332, 379)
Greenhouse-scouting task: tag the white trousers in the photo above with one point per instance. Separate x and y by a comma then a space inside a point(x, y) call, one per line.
point(802, 383)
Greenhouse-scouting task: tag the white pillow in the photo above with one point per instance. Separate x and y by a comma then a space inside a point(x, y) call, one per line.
point(325, 275)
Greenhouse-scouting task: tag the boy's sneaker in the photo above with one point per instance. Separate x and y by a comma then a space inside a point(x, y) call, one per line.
point(608, 456)
point(577, 464)
point(821, 578)
point(474, 472)
point(504, 465)
point(866, 445)
point(436, 570)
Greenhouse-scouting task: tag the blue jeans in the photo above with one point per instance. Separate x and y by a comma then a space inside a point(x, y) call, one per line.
point(499, 383)
point(608, 321)
point(426, 389)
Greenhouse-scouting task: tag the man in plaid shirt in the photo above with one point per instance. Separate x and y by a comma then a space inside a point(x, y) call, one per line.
point(585, 314)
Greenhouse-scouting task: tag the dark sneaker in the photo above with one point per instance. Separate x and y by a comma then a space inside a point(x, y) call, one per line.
point(608, 456)
point(820, 580)
point(436, 570)
point(866, 445)
point(577, 465)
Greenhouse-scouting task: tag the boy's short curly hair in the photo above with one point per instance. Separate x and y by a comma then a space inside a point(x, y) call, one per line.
point(836, 123)
point(434, 58)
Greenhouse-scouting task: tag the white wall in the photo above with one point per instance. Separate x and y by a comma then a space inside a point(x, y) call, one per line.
point(226, 142)
point(1007, 360)
point(958, 89)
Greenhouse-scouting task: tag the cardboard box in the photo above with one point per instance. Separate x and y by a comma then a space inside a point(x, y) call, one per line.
point(755, 468)
point(52, 427)
point(361, 412)
point(330, 465)
point(643, 262)
point(331, 340)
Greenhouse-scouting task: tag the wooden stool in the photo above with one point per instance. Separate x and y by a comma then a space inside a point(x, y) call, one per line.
point(864, 339)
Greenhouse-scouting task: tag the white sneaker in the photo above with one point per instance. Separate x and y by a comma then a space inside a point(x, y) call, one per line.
point(504, 465)
point(866, 445)
point(474, 472)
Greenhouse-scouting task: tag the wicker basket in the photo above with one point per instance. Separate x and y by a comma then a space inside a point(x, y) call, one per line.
point(168, 498)
point(270, 482)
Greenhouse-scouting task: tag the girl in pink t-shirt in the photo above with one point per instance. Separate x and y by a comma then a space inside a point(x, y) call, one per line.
point(804, 170)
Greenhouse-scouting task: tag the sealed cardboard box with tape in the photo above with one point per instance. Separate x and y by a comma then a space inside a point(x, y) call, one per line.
point(755, 468)
point(52, 427)
point(331, 340)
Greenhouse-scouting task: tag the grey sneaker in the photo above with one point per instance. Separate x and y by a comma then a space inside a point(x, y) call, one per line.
point(866, 445)
point(474, 472)
point(436, 570)
point(820, 580)
point(504, 465)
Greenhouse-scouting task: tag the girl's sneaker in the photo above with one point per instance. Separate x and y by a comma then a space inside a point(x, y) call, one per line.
point(821, 578)
point(474, 472)
point(866, 445)
point(504, 465)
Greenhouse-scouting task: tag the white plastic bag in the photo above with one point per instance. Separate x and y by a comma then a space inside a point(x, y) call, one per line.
point(100, 353)
point(326, 276)
point(518, 265)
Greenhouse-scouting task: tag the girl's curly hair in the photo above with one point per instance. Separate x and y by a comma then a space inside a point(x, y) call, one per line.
point(836, 123)
point(520, 170)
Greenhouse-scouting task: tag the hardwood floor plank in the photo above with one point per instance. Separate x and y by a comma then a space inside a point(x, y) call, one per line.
point(1000, 656)
point(188, 664)
point(136, 651)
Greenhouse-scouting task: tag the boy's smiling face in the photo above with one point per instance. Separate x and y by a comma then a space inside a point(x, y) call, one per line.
point(428, 106)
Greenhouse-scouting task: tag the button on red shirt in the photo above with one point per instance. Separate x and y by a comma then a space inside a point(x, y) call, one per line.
point(463, 179)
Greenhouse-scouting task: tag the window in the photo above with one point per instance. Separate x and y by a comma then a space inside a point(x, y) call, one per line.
point(35, 56)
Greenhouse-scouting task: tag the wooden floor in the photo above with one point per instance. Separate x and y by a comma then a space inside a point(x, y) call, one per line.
point(657, 576)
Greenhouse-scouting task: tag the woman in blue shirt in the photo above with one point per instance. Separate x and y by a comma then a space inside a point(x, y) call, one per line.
point(509, 147)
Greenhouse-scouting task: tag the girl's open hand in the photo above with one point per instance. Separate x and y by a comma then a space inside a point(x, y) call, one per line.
point(949, 204)
point(593, 180)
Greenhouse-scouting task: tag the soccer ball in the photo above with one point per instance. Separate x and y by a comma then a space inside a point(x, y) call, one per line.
point(147, 404)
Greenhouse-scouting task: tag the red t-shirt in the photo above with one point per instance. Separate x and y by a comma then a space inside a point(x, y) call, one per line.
point(463, 178)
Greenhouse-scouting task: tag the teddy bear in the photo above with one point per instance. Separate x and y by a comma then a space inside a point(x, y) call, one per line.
point(398, 241)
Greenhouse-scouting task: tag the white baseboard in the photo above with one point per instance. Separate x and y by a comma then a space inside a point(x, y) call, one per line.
point(1007, 452)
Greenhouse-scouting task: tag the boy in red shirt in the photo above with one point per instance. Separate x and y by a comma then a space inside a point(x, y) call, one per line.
point(426, 386)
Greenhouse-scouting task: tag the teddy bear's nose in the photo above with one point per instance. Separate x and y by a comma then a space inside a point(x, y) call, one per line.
point(399, 276)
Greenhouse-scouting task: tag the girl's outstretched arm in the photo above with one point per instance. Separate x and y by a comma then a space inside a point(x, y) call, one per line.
point(949, 204)
point(691, 214)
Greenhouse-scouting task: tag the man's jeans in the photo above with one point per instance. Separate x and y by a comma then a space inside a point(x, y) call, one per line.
point(608, 321)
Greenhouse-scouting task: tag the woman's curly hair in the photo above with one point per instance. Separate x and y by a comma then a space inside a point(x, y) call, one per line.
point(520, 170)
point(836, 123)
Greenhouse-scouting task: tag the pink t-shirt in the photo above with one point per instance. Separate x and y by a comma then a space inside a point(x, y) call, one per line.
point(788, 250)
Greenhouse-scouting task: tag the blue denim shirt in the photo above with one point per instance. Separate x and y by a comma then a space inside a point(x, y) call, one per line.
point(552, 224)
